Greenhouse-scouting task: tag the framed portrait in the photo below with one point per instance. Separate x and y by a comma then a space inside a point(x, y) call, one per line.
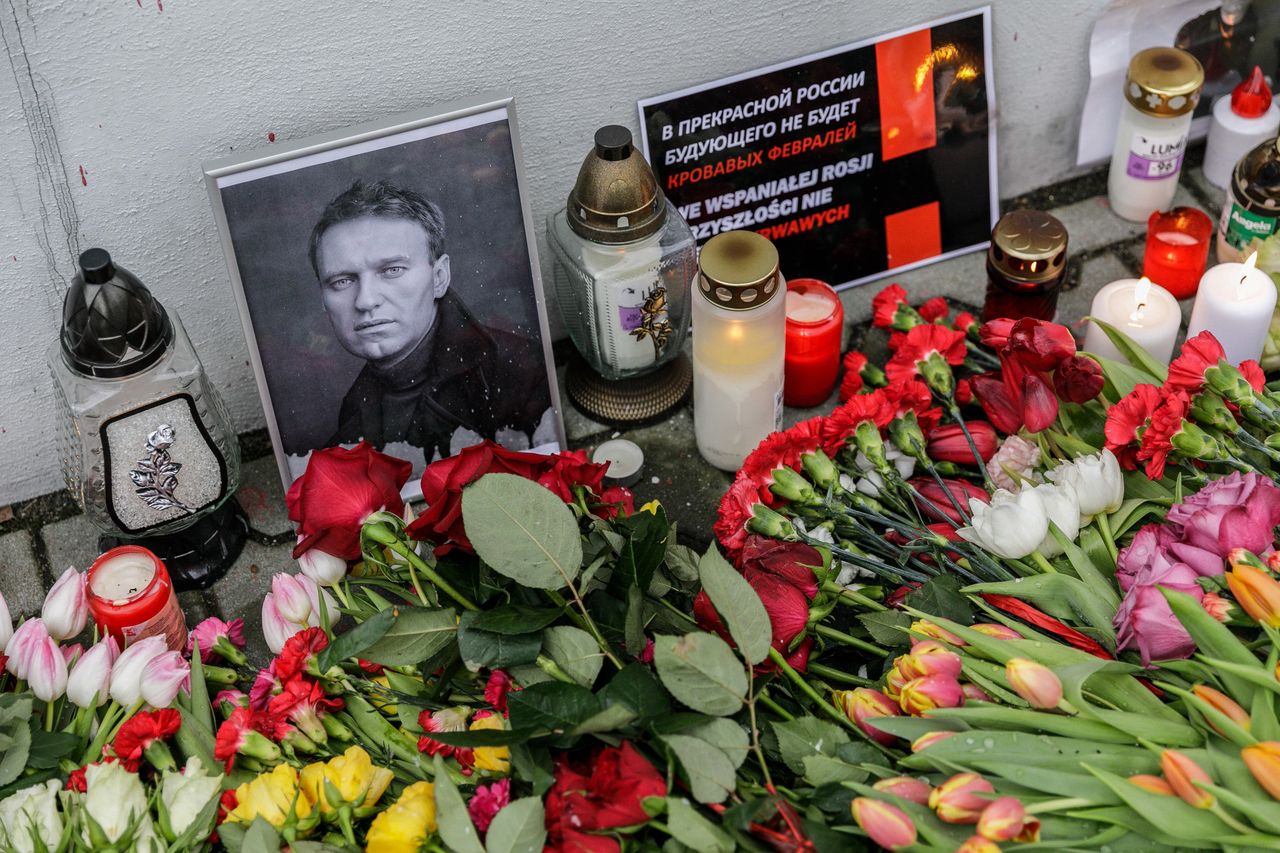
point(388, 283)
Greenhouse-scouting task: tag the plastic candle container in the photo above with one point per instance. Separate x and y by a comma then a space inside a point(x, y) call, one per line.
point(131, 597)
point(1241, 121)
point(815, 320)
point(1177, 248)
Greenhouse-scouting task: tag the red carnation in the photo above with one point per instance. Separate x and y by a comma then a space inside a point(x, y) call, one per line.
point(964, 391)
point(1186, 372)
point(965, 321)
point(1126, 418)
point(934, 309)
point(1040, 345)
point(885, 306)
point(303, 702)
point(1252, 373)
point(852, 382)
point(497, 688)
point(919, 344)
point(840, 426)
point(948, 443)
point(248, 731)
point(910, 396)
point(1157, 439)
point(734, 513)
point(140, 731)
point(298, 651)
point(338, 491)
point(608, 792)
point(1078, 379)
point(444, 720)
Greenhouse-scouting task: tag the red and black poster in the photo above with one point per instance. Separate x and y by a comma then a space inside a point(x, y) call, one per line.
point(857, 161)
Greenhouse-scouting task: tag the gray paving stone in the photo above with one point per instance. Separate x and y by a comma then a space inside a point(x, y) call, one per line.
point(1091, 224)
point(20, 580)
point(262, 495)
point(70, 542)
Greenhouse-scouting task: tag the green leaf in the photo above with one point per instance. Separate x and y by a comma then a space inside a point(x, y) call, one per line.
point(48, 748)
point(805, 736)
point(981, 715)
point(1062, 597)
point(486, 737)
point(728, 736)
point(610, 719)
point(997, 748)
point(416, 634)
point(681, 559)
point(200, 705)
point(14, 759)
point(635, 687)
point(693, 830)
point(576, 651)
point(515, 619)
point(260, 837)
point(1133, 511)
point(522, 530)
point(532, 763)
point(1120, 378)
point(456, 829)
point(738, 604)
point(823, 770)
point(941, 596)
point(354, 642)
point(1213, 639)
point(1133, 352)
point(887, 627)
point(552, 705)
point(1164, 811)
point(711, 773)
point(701, 671)
point(485, 648)
point(518, 828)
point(644, 550)
point(633, 623)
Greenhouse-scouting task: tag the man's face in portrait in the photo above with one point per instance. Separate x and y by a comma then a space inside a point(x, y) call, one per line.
point(380, 284)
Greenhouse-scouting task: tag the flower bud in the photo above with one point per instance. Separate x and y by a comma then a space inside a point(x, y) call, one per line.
point(927, 628)
point(863, 704)
point(322, 567)
point(930, 657)
point(1217, 606)
point(820, 469)
point(907, 436)
point(791, 486)
point(1209, 410)
point(906, 787)
point(886, 825)
point(1002, 819)
point(1000, 632)
point(1152, 784)
point(275, 628)
point(766, 522)
point(1078, 379)
point(871, 445)
point(126, 673)
point(1182, 773)
point(978, 844)
point(947, 443)
point(291, 598)
point(6, 624)
point(974, 693)
point(895, 679)
point(66, 607)
point(89, 683)
point(163, 676)
point(959, 799)
point(937, 374)
point(47, 669)
point(1034, 682)
point(927, 740)
point(1223, 704)
point(22, 646)
point(1263, 761)
point(921, 695)
point(1256, 592)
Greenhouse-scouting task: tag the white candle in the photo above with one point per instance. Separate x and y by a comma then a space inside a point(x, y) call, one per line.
point(1145, 312)
point(624, 459)
point(1235, 302)
point(123, 577)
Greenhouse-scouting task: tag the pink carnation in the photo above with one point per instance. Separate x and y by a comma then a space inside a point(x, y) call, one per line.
point(487, 801)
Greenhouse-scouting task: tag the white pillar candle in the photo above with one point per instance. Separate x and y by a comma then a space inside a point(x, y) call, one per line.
point(1145, 312)
point(1235, 302)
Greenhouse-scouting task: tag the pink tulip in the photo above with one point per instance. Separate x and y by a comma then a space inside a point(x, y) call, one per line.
point(275, 628)
point(1000, 632)
point(66, 607)
point(862, 705)
point(1034, 682)
point(163, 676)
point(291, 598)
point(974, 693)
point(22, 646)
point(959, 799)
point(1002, 819)
point(126, 673)
point(927, 740)
point(90, 681)
point(936, 632)
point(6, 624)
point(906, 787)
point(921, 695)
point(47, 670)
point(929, 657)
point(884, 824)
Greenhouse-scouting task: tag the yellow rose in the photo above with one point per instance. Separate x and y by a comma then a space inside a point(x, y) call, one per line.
point(357, 781)
point(494, 758)
point(271, 796)
point(406, 824)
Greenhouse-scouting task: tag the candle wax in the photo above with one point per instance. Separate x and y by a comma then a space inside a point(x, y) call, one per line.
point(1176, 238)
point(1154, 326)
point(804, 307)
point(122, 578)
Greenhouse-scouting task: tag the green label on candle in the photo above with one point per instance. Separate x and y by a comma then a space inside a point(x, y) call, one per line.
point(1241, 226)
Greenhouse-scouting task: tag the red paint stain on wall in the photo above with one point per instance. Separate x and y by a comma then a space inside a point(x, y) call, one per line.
point(271, 137)
point(159, 5)
point(84, 179)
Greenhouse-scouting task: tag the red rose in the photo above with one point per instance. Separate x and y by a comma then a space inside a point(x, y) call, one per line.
point(616, 501)
point(1078, 379)
point(573, 468)
point(1186, 372)
point(338, 491)
point(1040, 345)
point(606, 793)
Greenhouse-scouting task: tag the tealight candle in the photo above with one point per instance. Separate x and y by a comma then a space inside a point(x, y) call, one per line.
point(624, 458)
point(815, 319)
point(131, 597)
point(1235, 303)
point(1145, 312)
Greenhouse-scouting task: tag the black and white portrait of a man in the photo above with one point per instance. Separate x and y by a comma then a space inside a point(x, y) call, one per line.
point(391, 297)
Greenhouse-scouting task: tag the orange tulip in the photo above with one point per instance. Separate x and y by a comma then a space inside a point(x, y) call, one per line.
point(907, 787)
point(1153, 784)
point(1034, 682)
point(1257, 592)
point(1223, 704)
point(1182, 773)
point(937, 632)
point(884, 824)
point(1263, 761)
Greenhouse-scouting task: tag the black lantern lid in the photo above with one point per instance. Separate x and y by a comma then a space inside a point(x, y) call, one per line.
point(112, 326)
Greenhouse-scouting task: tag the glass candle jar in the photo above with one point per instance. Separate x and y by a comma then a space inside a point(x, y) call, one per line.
point(1251, 210)
point(1177, 248)
point(1160, 93)
point(815, 321)
point(131, 597)
point(1026, 263)
point(739, 343)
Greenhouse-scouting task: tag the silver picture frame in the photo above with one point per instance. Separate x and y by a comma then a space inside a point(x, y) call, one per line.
point(223, 173)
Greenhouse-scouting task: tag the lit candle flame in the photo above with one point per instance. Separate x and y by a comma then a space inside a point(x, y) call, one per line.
point(1249, 265)
point(1252, 261)
point(1140, 294)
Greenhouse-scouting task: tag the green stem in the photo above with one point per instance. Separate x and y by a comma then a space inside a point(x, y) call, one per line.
point(853, 596)
point(849, 640)
point(48, 716)
point(1226, 818)
point(773, 706)
point(1061, 804)
point(833, 674)
point(553, 669)
point(416, 562)
point(1104, 527)
point(755, 730)
point(1045, 565)
point(822, 704)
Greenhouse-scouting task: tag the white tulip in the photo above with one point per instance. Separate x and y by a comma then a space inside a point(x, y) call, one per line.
point(6, 624)
point(1063, 508)
point(126, 674)
point(47, 671)
point(1011, 526)
point(66, 607)
point(89, 684)
point(1098, 481)
point(31, 810)
point(323, 568)
point(114, 799)
point(183, 796)
point(291, 597)
point(275, 628)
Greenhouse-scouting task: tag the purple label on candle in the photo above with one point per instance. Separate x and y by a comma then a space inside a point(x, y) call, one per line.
point(1154, 158)
point(630, 317)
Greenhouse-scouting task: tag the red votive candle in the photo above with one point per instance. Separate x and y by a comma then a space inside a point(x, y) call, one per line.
point(815, 319)
point(131, 597)
point(1177, 249)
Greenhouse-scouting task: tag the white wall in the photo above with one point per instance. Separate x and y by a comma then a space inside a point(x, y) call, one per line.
point(138, 96)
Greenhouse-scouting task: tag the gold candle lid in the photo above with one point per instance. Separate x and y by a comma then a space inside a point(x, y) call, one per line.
point(616, 198)
point(1028, 245)
point(738, 270)
point(1164, 81)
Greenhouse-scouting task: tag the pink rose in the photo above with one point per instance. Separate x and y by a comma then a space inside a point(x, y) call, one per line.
point(1145, 621)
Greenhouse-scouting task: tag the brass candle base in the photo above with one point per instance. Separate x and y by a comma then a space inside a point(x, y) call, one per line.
point(629, 402)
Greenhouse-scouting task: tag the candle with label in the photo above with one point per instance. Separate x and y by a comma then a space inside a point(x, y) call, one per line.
point(1235, 303)
point(815, 319)
point(1145, 312)
point(1177, 248)
point(131, 597)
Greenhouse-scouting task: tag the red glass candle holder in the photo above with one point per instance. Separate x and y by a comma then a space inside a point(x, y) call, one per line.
point(131, 604)
point(1177, 249)
point(815, 320)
